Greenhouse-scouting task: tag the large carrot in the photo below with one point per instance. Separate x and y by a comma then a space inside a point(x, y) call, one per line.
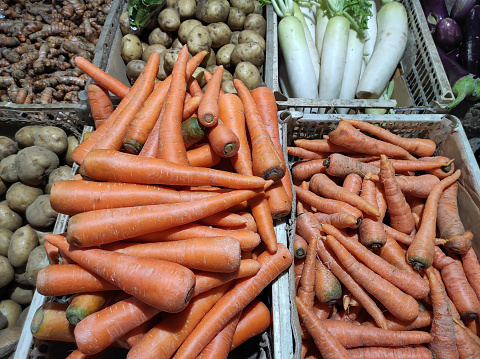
point(223, 140)
point(339, 220)
point(215, 254)
point(394, 254)
point(304, 170)
point(471, 266)
point(328, 288)
point(323, 146)
point(100, 103)
point(108, 82)
point(114, 166)
point(114, 224)
point(50, 323)
point(399, 211)
point(443, 171)
point(305, 154)
point(307, 281)
point(420, 252)
point(133, 275)
point(417, 352)
point(225, 219)
point(267, 163)
point(347, 136)
point(208, 108)
point(338, 165)
point(84, 304)
point(353, 183)
point(235, 300)
point(403, 166)
point(423, 320)
point(221, 344)
point(418, 186)
point(100, 329)
point(255, 319)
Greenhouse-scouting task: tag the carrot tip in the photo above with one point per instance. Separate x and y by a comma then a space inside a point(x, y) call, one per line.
point(208, 120)
point(275, 174)
point(268, 184)
point(132, 146)
point(229, 150)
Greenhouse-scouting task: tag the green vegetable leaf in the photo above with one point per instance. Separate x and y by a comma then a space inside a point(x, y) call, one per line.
point(359, 10)
point(264, 2)
point(140, 12)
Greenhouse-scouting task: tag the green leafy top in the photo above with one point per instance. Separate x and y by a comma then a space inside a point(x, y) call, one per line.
point(356, 11)
point(140, 12)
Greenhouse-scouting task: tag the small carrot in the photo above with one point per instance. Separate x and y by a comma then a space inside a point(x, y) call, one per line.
point(407, 239)
point(77, 354)
point(223, 140)
point(300, 246)
point(100, 103)
point(221, 344)
point(420, 252)
point(423, 320)
point(194, 88)
point(418, 352)
point(307, 281)
point(306, 154)
point(353, 183)
point(466, 346)
point(192, 131)
point(203, 156)
point(328, 288)
point(190, 107)
point(323, 146)
point(339, 220)
point(52, 253)
point(441, 172)
point(84, 304)
point(338, 165)
point(255, 319)
point(150, 147)
point(471, 267)
point(208, 108)
point(304, 170)
point(50, 323)
point(298, 269)
point(394, 254)
point(225, 219)
point(263, 218)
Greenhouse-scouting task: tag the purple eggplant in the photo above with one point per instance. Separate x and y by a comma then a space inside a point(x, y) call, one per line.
point(470, 48)
point(464, 84)
point(460, 10)
point(448, 34)
point(434, 10)
point(455, 55)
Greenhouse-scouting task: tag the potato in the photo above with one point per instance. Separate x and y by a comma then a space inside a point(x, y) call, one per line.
point(226, 75)
point(168, 19)
point(186, 8)
point(3, 187)
point(9, 340)
point(223, 55)
point(7, 272)
point(215, 11)
point(199, 40)
point(256, 23)
point(170, 57)
point(11, 310)
point(21, 294)
point(144, 47)
point(72, 144)
point(158, 48)
point(61, 173)
point(8, 218)
point(51, 137)
point(7, 147)
point(227, 87)
point(5, 238)
point(170, 3)
point(246, 5)
point(209, 59)
point(198, 75)
point(176, 44)
point(234, 37)
point(134, 68)
point(251, 36)
point(157, 36)
point(258, 9)
point(125, 23)
point(20, 196)
point(249, 51)
point(41, 233)
point(161, 74)
point(24, 240)
point(33, 164)
point(23, 316)
point(40, 212)
point(8, 173)
point(24, 136)
point(3, 321)
point(220, 34)
point(131, 48)
point(185, 28)
point(249, 74)
point(236, 18)
point(37, 260)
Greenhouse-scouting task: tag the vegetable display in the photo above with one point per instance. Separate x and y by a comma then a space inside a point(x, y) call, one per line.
point(404, 295)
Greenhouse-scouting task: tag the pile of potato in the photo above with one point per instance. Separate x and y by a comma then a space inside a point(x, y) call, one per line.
point(233, 33)
point(30, 163)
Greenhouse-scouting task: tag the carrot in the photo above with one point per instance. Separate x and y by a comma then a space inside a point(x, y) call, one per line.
point(371, 233)
point(77, 354)
point(114, 166)
point(441, 172)
point(327, 344)
point(328, 288)
point(298, 269)
point(50, 323)
point(214, 254)
point(266, 161)
point(347, 136)
point(100, 103)
point(466, 346)
point(326, 205)
point(207, 280)
point(84, 304)
point(150, 147)
point(442, 328)
point(402, 166)
point(449, 223)
point(394, 254)
point(339, 220)
point(235, 300)
point(194, 88)
point(255, 319)
point(263, 218)
point(100, 329)
point(108, 82)
point(308, 227)
point(221, 344)
point(420, 252)
point(307, 281)
point(418, 352)
point(423, 320)
point(471, 267)
point(224, 219)
point(300, 246)
point(323, 146)
point(322, 185)
point(203, 156)
point(406, 239)
point(306, 154)
point(192, 131)
point(351, 335)
point(338, 165)
point(223, 140)
point(406, 281)
point(399, 211)
point(52, 253)
point(208, 108)
point(353, 183)
point(304, 170)
point(401, 305)
point(125, 271)
point(190, 107)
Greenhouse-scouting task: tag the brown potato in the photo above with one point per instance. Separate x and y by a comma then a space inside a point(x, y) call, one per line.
point(21, 294)
point(11, 310)
point(51, 137)
point(246, 5)
point(24, 240)
point(72, 144)
point(185, 28)
point(256, 23)
point(9, 219)
point(215, 11)
point(7, 273)
point(198, 75)
point(158, 48)
point(7, 147)
point(227, 87)
point(199, 40)
point(125, 23)
point(176, 44)
point(37, 260)
point(24, 136)
point(40, 213)
point(224, 54)
point(258, 9)
point(161, 74)
point(5, 238)
point(186, 9)
point(248, 73)
point(236, 18)
point(157, 36)
point(8, 173)
point(251, 36)
point(20, 196)
point(209, 59)
point(234, 37)
point(3, 187)
point(62, 173)
point(33, 164)
point(220, 34)
point(131, 48)
point(249, 51)
point(168, 19)
point(134, 69)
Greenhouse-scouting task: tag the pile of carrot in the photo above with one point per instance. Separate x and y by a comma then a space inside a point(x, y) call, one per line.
point(171, 235)
point(384, 267)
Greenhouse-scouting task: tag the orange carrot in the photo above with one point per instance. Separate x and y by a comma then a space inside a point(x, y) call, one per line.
point(100, 329)
point(194, 87)
point(402, 166)
point(100, 103)
point(249, 223)
point(338, 165)
point(52, 253)
point(223, 140)
point(235, 300)
point(221, 344)
point(471, 267)
point(307, 281)
point(466, 346)
point(114, 166)
point(263, 218)
point(323, 146)
point(133, 336)
point(339, 220)
point(266, 161)
point(353, 183)
point(381, 200)
point(255, 319)
point(208, 76)
point(190, 107)
point(322, 185)
point(441, 172)
point(203, 156)
point(420, 252)
point(418, 352)
point(150, 147)
point(399, 211)
point(77, 354)
point(208, 108)
point(306, 154)
point(84, 304)
point(300, 246)
point(406, 239)
point(50, 323)
point(304, 170)
point(347, 136)
point(214, 254)
point(298, 269)
point(125, 271)
point(423, 320)
point(328, 288)
point(394, 254)
point(449, 223)
point(108, 82)
point(225, 219)
point(417, 186)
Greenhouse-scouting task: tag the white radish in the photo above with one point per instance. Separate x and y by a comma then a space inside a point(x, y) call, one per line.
point(353, 67)
point(309, 16)
point(371, 32)
point(322, 18)
point(389, 47)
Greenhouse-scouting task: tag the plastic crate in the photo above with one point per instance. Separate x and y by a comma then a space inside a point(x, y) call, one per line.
point(445, 130)
point(421, 86)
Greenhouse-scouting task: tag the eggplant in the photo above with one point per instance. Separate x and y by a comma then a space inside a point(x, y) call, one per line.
point(470, 48)
point(461, 9)
point(455, 55)
point(464, 84)
point(434, 10)
point(448, 34)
